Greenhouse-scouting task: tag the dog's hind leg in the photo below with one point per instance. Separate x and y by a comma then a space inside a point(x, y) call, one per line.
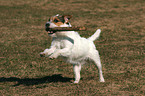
point(95, 57)
point(77, 69)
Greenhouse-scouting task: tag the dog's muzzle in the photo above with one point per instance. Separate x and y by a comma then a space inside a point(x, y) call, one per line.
point(47, 27)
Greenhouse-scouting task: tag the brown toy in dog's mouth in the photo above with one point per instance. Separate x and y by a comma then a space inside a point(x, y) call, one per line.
point(53, 30)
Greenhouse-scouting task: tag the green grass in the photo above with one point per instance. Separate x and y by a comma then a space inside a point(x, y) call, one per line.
point(121, 47)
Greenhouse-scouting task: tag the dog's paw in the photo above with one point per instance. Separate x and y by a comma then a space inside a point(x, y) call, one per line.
point(76, 82)
point(102, 80)
point(42, 54)
point(53, 57)
point(50, 57)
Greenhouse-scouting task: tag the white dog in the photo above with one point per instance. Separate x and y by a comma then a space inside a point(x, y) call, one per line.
point(69, 44)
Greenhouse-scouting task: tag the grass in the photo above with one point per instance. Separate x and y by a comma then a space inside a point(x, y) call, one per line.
point(121, 47)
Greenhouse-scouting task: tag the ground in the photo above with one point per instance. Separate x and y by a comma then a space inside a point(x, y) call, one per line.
point(121, 48)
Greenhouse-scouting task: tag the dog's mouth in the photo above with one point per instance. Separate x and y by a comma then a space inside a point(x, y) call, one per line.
point(49, 31)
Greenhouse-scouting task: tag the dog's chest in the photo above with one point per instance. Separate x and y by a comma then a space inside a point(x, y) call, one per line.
point(61, 43)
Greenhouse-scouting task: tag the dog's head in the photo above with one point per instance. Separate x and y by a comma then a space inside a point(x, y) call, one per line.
point(57, 21)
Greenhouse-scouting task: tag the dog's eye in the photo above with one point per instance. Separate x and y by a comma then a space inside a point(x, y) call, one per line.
point(55, 20)
point(67, 23)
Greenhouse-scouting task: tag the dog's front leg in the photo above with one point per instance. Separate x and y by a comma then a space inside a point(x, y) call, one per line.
point(60, 52)
point(77, 69)
point(47, 52)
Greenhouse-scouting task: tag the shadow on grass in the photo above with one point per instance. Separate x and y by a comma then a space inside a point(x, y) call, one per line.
point(36, 81)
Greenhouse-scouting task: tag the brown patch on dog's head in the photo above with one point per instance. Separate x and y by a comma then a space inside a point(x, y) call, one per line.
point(67, 18)
point(57, 21)
point(60, 20)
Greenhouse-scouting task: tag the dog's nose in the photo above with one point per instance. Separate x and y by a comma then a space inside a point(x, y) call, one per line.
point(47, 24)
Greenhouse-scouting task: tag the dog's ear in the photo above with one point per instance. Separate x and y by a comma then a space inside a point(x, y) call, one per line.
point(67, 18)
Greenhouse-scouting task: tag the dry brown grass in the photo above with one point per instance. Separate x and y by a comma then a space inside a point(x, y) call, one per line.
point(121, 47)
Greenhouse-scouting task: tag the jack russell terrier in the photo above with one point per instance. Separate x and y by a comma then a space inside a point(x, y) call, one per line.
point(69, 44)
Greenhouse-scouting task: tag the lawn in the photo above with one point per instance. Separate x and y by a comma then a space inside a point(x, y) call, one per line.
point(121, 46)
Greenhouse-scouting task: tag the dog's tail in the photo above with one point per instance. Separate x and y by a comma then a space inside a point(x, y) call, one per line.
point(95, 35)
